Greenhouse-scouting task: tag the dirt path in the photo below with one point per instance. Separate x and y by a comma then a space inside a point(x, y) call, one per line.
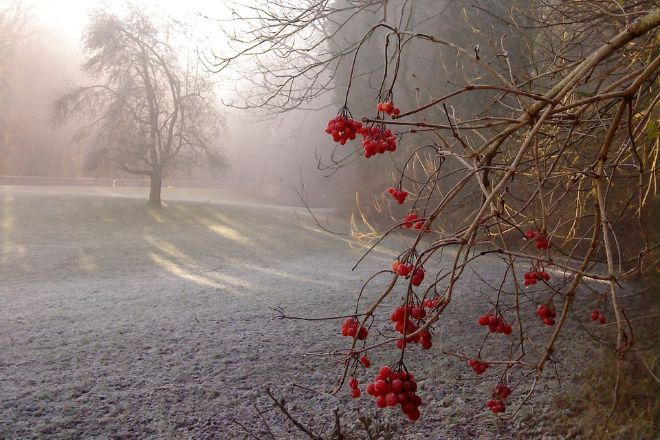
point(120, 321)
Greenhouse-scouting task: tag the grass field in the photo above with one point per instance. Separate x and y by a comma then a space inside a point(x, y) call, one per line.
point(122, 321)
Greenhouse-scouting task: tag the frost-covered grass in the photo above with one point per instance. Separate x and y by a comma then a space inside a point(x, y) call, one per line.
point(122, 321)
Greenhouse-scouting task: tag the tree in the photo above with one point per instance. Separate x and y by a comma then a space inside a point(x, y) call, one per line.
point(148, 114)
point(536, 167)
point(14, 19)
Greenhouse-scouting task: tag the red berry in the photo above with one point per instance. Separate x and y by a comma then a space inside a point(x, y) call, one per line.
point(413, 415)
point(403, 270)
point(394, 317)
point(380, 386)
point(478, 366)
point(501, 391)
point(418, 312)
point(365, 361)
point(384, 372)
point(391, 399)
point(408, 220)
point(495, 405)
point(408, 407)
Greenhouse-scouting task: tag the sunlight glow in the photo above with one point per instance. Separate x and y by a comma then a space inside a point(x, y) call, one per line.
point(290, 276)
point(176, 262)
point(87, 263)
point(70, 16)
point(7, 227)
point(230, 234)
point(215, 279)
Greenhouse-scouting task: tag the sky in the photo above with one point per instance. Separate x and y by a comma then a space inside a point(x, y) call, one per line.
point(70, 16)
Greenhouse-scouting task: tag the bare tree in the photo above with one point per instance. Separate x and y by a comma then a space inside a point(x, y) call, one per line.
point(148, 114)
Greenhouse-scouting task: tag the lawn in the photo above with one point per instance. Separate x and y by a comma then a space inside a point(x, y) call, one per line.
point(124, 321)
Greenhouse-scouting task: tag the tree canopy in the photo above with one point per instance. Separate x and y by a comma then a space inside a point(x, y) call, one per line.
point(147, 112)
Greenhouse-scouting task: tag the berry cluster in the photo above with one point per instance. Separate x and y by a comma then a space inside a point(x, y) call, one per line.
point(401, 317)
point(398, 194)
point(355, 390)
point(431, 303)
point(546, 314)
point(496, 404)
point(343, 128)
point(597, 316)
point(377, 140)
point(365, 361)
point(388, 107)
point(495, 323)
point(501, 391)
point(533, 276)
point(478, 366)
point(540, 240)
point(391, 389)
point(402, 269)
point(351, 327)
point(425, 340)
point(409, 220)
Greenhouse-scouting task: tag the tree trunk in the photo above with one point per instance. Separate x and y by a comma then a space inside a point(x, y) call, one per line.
point(154, 188)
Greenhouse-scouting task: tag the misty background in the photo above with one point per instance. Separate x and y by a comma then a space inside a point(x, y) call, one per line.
point(268, 151)
point(42, 57)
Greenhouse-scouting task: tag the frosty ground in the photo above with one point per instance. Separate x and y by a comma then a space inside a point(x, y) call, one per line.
point(123, 321)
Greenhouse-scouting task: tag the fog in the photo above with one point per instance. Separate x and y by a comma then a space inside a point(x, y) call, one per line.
point(264, 154)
